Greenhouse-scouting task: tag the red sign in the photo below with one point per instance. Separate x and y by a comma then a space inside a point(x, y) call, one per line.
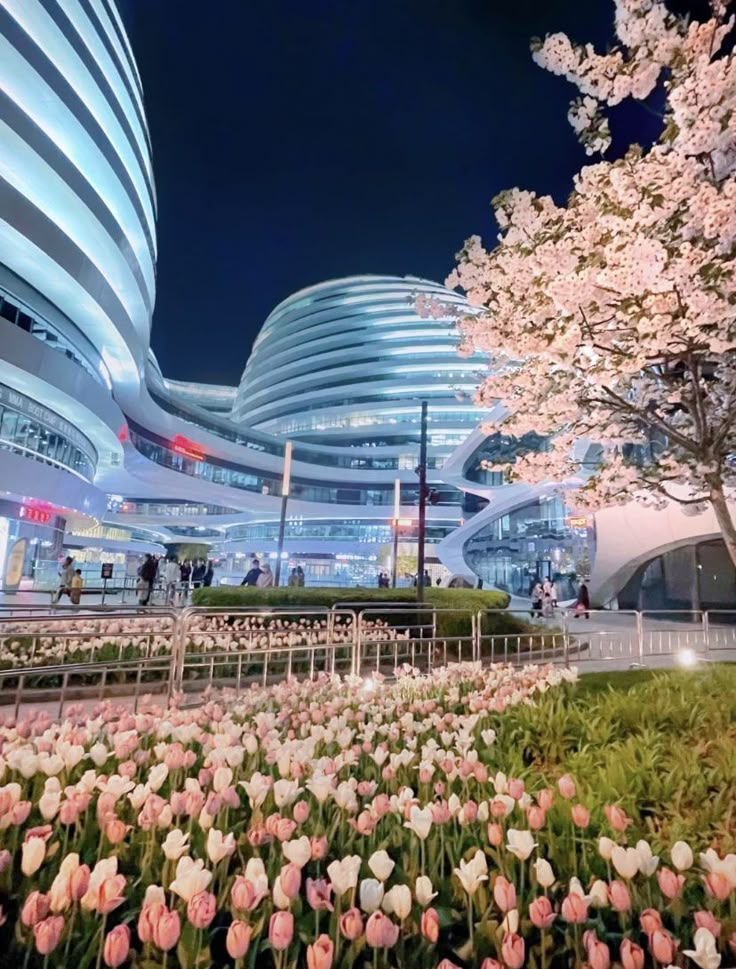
point(180, 445)
point(39, 516)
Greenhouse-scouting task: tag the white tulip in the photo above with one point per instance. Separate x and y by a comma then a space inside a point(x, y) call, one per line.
point(371, 895)
point(649, 861)
point(298, 851)
point(257, 789)
point(681, 855)
point(33, 854)
point(472, 873)
point(423, 891)
point(510, 923)
point(175, 845)
point(626, 861)
point(520, 843)
point(605, 848)
point(381, 864)
point(255, 873)
point(222, 779)
point(60, 892)
point(420, 821)
point(598, 897)
point(397, 901)
point(219, 847)
point(285, 792)
point(98, 754)
point(49, 804)
point(322, 786)
point(191, 878)
point(344, 874)
point(544, 872)
point(705, 954)
point(280, 898)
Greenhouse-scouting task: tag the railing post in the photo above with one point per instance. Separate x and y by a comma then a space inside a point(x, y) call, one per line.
point(479, 634)
point(640, 635)
point(357, 641)
point(706, 631)
point(566, 640)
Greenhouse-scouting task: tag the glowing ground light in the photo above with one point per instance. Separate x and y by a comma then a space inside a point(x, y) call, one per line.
point(686, 658)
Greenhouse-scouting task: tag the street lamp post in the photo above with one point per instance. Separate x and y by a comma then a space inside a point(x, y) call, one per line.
point(397, 513)
point(285, 485)
point(422, 471)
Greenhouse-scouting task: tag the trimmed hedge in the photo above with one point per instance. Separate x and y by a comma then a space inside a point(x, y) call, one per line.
point(466, 601)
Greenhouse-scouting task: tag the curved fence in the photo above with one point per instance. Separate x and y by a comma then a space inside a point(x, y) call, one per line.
point(69, 655)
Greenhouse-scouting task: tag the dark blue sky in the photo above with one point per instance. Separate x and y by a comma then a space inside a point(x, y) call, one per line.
point(301, 140)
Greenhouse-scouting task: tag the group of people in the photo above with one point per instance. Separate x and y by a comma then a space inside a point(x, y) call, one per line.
point(262, 577)
point(175, 577)
point(544, 599)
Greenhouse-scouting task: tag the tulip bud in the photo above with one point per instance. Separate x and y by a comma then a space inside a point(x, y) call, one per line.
point(238, 939)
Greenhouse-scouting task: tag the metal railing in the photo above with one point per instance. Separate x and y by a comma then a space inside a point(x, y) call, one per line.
point(89, 654)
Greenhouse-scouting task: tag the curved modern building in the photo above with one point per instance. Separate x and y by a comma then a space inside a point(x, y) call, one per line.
point(77, 256)
point(347, 362)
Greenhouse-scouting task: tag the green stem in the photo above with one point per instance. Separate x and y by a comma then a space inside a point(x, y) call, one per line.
point(102, 941)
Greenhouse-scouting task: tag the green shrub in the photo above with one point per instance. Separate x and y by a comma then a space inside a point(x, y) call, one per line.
point(460, 603)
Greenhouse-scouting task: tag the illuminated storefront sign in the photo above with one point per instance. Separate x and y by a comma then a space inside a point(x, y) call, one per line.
point(180, 445)
point(39, 516)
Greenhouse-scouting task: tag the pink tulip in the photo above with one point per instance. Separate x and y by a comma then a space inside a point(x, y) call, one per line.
point(284, 829)
point(619, 897)
point(351, 924)
point(515, 788)
point(291, 880)
point(35, 909)
point(504, 894)
point(535, 817)
point(117, 946)
point(319, 848)
point(430, 925)
point(650, 920)
point(147, 918)
point(201, 909)
point(541, 913)
point(670, 884)
point(281, 930)
point(115, 830)
point(79, 882)
point(662, 946)
point(545, 798)
point(320, 953)
point(717, 885)
point(513, 951)
point(300, 812)
point(574, 909)
point(706, 920)
point(166, 929)
point(48, 933)
point(489, 963)
point(566, 787)
point(243, 894)
point(380, 931)
point(110, 894)
point(617, 818)
point(580, 816)
point(495, 834)
point(447, 964)
point(599, 955)
point(318, 894)
point(632, 955)
point(238, 939)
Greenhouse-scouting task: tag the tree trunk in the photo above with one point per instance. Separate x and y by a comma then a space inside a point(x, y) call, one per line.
point(723, 516)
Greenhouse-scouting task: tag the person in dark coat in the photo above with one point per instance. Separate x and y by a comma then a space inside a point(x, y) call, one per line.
point(253, 574)
point(582, 606)
point(198, 574)
point(208, 575)
point(148, 573)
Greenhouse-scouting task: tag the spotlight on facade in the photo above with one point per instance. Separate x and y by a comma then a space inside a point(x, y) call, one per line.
point(686, 658)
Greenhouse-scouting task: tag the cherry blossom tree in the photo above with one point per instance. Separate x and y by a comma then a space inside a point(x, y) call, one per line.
point(612, 319)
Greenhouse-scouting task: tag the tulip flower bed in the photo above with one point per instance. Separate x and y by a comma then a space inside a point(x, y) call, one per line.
point(471, 818)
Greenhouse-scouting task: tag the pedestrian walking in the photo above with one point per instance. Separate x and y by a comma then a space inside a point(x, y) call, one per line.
point(148, 573)
point(171, 579)
point(66, 574)
point(251, 577)
point(265, 579)
point(208, 575)
point(77, 585)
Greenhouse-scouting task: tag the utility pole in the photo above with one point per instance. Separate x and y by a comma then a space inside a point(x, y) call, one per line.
point(397, 514)
point(422, 471)
point(285, 485)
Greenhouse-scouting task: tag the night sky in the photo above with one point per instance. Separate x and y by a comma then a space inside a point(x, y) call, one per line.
point(301, 140)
